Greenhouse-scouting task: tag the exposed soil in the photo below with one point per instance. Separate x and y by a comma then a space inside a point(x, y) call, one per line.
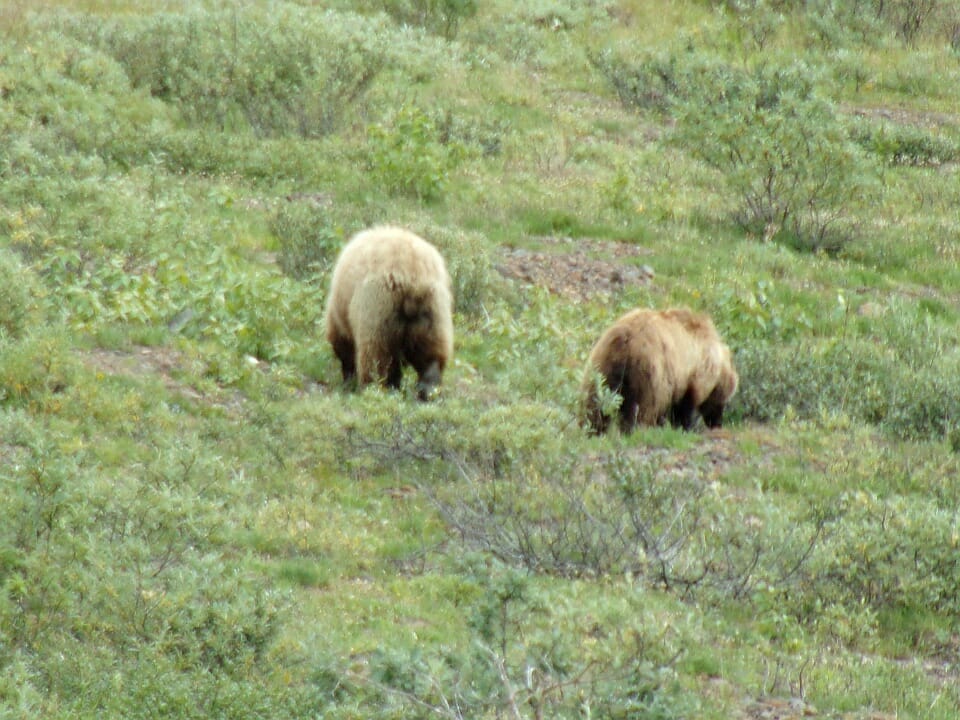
point(906, 116)
point(162, 363)
point(772, 708)
point(577, 269)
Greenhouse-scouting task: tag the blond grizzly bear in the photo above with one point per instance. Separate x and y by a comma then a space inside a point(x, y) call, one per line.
point(666, 365)
point(391, 305)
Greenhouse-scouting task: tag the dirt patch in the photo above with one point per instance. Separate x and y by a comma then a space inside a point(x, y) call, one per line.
point(712, 457)
point(906, 116)
point(771, 708)
point(715, 455)
point(577, 269)
point(159, 362)
point(139, 362)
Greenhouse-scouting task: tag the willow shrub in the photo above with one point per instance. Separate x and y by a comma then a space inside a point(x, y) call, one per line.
point(781, 150)
point(903, 378)
point(779, 147)
point(282, 70)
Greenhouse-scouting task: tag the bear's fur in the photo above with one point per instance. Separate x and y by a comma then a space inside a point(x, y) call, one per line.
point(391, 305)
point(666, 365)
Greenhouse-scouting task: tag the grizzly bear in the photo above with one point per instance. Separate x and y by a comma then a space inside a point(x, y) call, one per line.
point(665, 365)
point(391, 305)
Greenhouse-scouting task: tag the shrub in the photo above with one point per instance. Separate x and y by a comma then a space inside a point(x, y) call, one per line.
point(256, 313)
point(309, 239)
point(36, 368)
point(74, 104)
point(248, 310)
point(115, 598)
point(18, 297)
point(838, 25)
point(408, 154)
point(890, 553)
point(842, 23)
point(442, 17)
point(476, 135)
point(529, 654)
point(908, 17)
point(574, 519)
point(781, 150)
point(756, 313)
point(652, 83)
point(897, 144)
point(279, 71)
point(654, 516)
point(536, 345)
point(380, 432)
point(893, 384)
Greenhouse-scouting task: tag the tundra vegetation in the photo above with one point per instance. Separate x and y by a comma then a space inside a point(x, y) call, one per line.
point(196, 521)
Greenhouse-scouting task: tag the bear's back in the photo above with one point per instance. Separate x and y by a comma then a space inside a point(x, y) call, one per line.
point(394, 256)
point(388, 250)
point(662, 349)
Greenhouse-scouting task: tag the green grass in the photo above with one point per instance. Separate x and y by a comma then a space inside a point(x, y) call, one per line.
point(199, 521)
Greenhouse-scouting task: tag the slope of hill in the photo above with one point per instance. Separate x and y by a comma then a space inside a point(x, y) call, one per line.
point(198, 521)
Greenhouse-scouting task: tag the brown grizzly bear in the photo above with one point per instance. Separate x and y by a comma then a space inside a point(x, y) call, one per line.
point(391, 305)
point(666, 365)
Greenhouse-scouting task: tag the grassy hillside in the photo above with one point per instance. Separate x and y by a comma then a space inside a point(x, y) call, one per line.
point(197, 520)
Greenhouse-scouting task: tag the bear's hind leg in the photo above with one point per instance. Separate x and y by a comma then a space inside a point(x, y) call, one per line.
point(682, 412)
point(712, 410)
point(394, 374)
point(618, 380)
point(629, 410)
point(345, 351)
point(629, 406)
point(378, 366)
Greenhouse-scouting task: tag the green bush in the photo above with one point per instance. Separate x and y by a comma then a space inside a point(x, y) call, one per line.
point(878, 21)
point(909, 17)
point(18, 297)
point(477, 135)
point(549, 517)
point(525, 644)
point(200, 292)
point(309, 239)
point(906, 384)
point(36, 368)
point(408, 154)
point(442, 17)
point(379, 431)
point(778, 146)
point(782, 152)
point(890, 553)
point(651, 83)
point(897, 144)
point(72, 107)
point(277, 71)
point(113, 594)
point(257, 313)
point(751, 314)
point(839, 25)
